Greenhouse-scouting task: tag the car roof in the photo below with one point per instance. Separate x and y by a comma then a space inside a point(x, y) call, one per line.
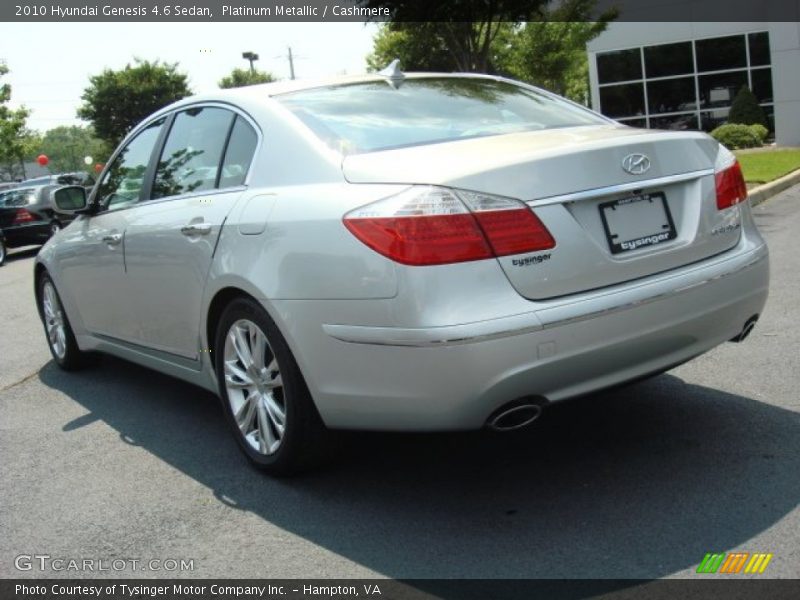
point(25, 188)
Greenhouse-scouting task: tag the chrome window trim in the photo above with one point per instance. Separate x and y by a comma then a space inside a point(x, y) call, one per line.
point(237, 110)
point(188, 195)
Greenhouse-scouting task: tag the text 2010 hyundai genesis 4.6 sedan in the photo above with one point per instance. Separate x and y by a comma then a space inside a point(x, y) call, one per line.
point(400, 252)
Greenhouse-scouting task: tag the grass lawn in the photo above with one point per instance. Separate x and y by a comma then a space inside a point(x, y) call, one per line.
point(762, 167)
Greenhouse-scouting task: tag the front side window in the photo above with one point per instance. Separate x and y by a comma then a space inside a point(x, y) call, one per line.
point(192, 153)
point(123, 182)
point(366, 117)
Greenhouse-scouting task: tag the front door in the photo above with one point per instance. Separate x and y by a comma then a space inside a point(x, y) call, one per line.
point(91, 258)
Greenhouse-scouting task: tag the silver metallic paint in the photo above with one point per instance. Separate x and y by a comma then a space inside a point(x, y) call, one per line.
point(435, 347)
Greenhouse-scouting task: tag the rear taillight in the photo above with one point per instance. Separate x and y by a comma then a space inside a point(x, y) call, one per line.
point(428, 225)
point(23, 216)
point(731, 188)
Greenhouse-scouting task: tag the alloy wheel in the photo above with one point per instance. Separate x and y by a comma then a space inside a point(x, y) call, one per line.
point(254, 387)
point(54, 320)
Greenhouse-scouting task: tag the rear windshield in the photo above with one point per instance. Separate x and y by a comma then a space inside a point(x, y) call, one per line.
point(13, 198)
point(365, 117)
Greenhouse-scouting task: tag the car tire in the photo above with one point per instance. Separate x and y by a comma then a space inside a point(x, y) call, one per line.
point(57, 328)
point(55, 227)
point(2, 253)
point(264, 395)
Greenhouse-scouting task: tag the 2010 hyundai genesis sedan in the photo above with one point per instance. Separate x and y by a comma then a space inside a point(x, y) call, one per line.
point(400, 252)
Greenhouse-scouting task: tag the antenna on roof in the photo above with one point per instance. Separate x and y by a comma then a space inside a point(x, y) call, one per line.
point(394, 76)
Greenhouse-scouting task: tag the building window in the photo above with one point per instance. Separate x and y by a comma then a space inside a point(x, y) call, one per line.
point(669, 59)
point(671, 95)
point(679, 122)
point(622, 65)
point(684, 85)
point(721, 88)
point(716, 54)
point(762, 84)
point(625, 100)
point(759, 48)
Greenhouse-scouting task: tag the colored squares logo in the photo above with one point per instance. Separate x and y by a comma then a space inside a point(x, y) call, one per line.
point(735, 562)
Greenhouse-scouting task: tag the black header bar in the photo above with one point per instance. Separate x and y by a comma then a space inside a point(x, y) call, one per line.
point(355, 10)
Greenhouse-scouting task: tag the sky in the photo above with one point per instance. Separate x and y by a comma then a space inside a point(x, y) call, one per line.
point(50, 63)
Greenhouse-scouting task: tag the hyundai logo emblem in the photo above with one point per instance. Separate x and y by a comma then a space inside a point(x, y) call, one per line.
point(636, 164)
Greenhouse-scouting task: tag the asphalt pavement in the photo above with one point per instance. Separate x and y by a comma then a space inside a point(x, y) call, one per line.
point(117, 462)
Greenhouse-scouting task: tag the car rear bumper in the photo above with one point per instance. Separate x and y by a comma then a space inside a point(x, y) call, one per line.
point(454, 377)
point(26, 235)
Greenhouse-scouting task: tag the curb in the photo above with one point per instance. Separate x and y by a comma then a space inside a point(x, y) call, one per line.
point(764, 192)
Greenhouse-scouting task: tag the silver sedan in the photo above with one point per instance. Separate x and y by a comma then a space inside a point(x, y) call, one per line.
point(400, 252)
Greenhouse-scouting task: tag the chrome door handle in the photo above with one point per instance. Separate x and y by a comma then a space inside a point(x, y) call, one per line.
point(112, 238)
point(196, 229)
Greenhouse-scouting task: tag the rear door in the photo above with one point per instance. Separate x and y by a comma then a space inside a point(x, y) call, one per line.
point(171, 238)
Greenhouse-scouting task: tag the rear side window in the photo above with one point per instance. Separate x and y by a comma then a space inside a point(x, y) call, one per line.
point(239, 154)
point(192, 152)
point(366, 117)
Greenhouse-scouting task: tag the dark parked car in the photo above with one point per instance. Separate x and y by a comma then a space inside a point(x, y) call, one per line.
point(75, 178)
point(27, 216)
point(2, 248)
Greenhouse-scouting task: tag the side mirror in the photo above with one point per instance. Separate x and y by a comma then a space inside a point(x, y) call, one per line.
point(70, 200)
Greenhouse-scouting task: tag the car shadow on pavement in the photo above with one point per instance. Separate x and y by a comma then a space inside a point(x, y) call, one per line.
point(638, 482)
point(26, 252)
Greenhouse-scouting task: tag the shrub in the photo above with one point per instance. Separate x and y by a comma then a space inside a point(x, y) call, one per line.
point(759, 131)
point(735, 135)
point(745, 109)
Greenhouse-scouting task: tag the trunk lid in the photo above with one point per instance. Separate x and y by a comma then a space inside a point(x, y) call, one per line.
point(573, 179)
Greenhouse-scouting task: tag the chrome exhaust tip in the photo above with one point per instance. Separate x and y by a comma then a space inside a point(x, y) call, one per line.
point(514, 416)
point(748, 327)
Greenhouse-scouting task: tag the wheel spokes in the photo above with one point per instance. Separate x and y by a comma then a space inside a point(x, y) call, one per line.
point(254, 386)
point(276, 414)
point(268, 442)
point(237, 377)
point(244, 416)
point(242, 346)
point(54, 320)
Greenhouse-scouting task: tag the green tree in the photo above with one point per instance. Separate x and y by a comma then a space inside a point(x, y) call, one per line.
point(745, 109)
point(549, 51)
point(552, 55)
point(116, 101)
point(468, 42)
point(419, 46)
point(67, 146)
point(15, 138)
point(245, 77)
